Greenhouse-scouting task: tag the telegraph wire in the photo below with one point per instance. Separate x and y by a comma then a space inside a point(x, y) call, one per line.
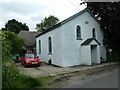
point(73, 4)
point(66, 5)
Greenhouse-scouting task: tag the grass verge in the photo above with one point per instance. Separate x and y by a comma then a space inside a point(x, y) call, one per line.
point(12, 78)
point(57, 81)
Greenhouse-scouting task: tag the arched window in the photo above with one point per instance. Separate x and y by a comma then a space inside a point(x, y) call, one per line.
point(93, 33)
point(39, 46)
point(49, 45)
point(78, 32)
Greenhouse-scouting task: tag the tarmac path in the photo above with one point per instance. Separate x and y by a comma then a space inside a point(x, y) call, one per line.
point(106, 79)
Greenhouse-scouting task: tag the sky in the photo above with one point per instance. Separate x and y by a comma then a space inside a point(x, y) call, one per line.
point(32, 12)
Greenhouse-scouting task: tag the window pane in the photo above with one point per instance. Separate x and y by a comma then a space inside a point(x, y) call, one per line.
point(50, 44)
point(78, 32)
point(93, 32)
point(39, 46)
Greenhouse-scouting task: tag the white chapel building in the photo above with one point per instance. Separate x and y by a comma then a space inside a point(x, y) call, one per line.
point(77, 40)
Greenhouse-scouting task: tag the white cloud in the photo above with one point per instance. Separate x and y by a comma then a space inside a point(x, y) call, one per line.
point(32, 12)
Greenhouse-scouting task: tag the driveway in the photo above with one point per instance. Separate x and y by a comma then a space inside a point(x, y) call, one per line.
point(50, 70)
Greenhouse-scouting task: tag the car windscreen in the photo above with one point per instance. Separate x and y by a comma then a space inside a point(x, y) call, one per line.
point(29, 56)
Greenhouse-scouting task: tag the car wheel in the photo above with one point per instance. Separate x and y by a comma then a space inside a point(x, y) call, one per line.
point(25, 66)
point(39, 65)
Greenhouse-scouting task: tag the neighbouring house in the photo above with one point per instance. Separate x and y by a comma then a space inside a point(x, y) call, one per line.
point(29, 40)
point(16, 57)
point(77, 40)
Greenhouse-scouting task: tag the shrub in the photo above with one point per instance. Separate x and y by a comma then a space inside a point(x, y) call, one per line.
point(114, 57)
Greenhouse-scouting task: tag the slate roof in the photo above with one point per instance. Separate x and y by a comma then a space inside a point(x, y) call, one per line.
point(29, 37)
point(88, 41)
point(68, 19)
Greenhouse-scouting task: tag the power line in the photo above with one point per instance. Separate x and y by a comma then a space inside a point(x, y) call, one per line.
point(73, 4)
point(63, 4)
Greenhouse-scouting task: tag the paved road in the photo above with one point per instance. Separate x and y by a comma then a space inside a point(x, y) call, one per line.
point(108, 79)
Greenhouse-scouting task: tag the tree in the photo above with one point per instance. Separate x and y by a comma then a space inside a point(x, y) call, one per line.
point(15, 26)
point(108, 13)
point(47, 23)
point(11, 43)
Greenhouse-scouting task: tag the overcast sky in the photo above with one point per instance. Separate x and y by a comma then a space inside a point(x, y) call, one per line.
point(32, 12)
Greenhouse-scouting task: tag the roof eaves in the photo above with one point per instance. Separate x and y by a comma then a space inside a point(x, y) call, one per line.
point(89, 40)
point(68, 19)
point(50, 29)
point(74, 16)
point(62, 22)
point(96, 41)
point(86, 42)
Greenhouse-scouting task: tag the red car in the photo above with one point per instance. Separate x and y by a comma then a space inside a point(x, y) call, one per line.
point(30, 60)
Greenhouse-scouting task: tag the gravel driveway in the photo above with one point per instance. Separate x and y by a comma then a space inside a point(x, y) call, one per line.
point(43, 70)
point(47, 70)
point(50, 70)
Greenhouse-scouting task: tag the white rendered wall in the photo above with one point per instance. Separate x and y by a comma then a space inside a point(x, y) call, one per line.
point(71, 46)
point(56, 47)
point(67, 50)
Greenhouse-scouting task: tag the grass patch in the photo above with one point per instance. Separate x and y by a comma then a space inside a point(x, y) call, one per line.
point(13, 79)
point(47, 82)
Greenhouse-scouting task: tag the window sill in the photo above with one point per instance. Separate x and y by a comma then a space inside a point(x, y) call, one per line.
point(78, 39)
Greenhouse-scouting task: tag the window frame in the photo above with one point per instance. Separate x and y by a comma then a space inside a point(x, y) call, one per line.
point(93, 33)
point(78, 32)
point(49, 45)
point(40, 47)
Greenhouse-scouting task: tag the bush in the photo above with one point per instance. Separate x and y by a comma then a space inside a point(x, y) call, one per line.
point(11, 43)
point(114, 57)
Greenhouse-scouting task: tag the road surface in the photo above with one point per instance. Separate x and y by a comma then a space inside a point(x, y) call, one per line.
point(107, 79)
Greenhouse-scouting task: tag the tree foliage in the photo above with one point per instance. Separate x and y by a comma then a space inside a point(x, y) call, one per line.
point(11, 43)
point(15, 26)
point(47, 23)
point(108, 13)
